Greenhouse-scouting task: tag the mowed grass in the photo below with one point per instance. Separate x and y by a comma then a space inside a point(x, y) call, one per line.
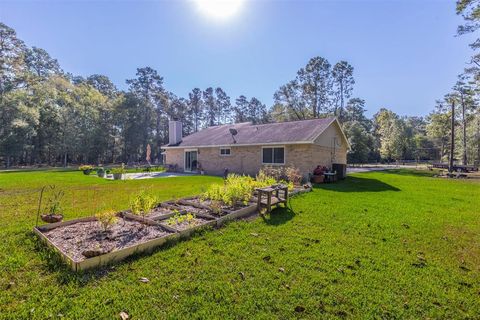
point(396, 244)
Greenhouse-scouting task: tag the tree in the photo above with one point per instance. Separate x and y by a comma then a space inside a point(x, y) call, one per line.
point(293, 99)
point(210, 110)
point(343, 81)
point(257, 111)
point(12, 52)
point(39, 62)
point(360, 140)
point(240, 109)
point(148, 88)
point(438, 128)
point(464, 96)
point(223, 106)
point(390, 132)
point(470, 11)
point(195, 105)
point(316, 84)
point(103, 84)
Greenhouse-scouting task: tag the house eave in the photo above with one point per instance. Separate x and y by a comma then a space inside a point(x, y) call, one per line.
point(240, 145)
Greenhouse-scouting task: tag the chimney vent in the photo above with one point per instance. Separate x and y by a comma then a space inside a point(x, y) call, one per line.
point(174, 132)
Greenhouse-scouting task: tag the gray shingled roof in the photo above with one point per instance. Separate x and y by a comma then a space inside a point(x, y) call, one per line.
point(248, 133)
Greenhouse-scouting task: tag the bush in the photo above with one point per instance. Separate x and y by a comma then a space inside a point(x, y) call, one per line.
point(285, 174)
point(236, 189)
point(263, 180)
point(142, 204)
point(107, 219)
point(87, 169)
point(293, 175)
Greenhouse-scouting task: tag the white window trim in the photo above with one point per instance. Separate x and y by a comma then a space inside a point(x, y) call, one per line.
point(224, 148)
point(273, 147)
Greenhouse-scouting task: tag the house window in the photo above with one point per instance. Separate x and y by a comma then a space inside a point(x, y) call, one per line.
point(273, 155)
point(225, 151)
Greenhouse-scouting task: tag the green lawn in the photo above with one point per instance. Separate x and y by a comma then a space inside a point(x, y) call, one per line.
point(377, 245)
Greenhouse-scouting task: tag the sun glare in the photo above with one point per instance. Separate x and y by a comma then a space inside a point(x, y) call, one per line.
point(219, 9)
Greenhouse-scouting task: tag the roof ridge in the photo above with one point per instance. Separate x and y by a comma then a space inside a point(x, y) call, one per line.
point(273, 123)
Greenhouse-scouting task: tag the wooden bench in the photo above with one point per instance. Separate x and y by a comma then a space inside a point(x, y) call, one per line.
point(270, 196)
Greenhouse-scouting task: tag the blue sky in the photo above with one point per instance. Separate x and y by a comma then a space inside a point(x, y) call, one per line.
point(405, 53)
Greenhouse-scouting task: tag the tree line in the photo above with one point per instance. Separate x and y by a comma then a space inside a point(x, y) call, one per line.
point(49, 116)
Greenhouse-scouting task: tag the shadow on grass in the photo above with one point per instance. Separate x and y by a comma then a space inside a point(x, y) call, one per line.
point(279, 216)
point(357, 184)
point(412, 172)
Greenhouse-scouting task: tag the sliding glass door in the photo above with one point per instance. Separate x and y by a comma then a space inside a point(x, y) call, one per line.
point(191, 162)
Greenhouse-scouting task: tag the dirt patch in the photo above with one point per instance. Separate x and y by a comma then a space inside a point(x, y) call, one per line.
point(76, 239)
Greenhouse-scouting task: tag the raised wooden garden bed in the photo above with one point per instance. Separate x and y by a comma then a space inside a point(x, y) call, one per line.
point(83, 244)
point(226, 213)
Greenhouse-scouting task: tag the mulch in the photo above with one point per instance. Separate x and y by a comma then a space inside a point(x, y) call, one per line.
point(77, 238)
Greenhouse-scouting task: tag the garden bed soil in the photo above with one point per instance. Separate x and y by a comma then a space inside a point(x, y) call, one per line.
point(198, 202)
point(160, 213)
point(87, 237)
point(184, 208)
point(193, 224)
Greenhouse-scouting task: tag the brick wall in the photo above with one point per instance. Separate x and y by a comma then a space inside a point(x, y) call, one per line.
point(248, 160)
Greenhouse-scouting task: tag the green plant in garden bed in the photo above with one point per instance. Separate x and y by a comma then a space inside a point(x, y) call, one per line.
point(236, 189)
point(142, 204)
point(179, 218)
point(107, 219)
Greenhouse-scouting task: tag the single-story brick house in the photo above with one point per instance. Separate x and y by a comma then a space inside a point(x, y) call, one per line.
point(246, 147)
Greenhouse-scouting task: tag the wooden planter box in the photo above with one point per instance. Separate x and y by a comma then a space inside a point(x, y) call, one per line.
point(107, 258)
point(150, 245)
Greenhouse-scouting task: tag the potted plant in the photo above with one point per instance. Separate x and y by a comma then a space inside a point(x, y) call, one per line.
point(54, 207)
point(87, 169)
point(119, 173)
point(101, 172)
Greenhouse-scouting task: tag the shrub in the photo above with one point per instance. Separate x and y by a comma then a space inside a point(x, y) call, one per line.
point(264, 180)
point(235, 189)
point(87, 169)
point(274, 172)
point(142, 203)
point(107, 219)
point(288, 174)
point(293, 175)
